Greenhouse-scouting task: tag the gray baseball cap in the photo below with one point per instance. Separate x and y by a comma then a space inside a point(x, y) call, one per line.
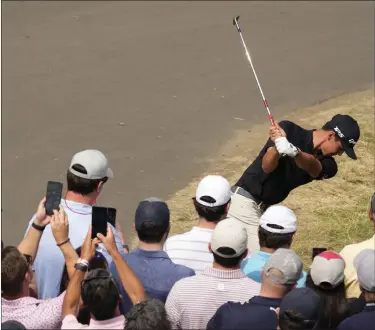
point(95, 164)
point(364, 263)
point(287, 262)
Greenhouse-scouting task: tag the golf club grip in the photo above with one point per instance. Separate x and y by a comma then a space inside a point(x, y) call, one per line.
point(271, 120)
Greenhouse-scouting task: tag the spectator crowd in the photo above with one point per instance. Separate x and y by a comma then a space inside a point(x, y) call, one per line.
point(215, 276)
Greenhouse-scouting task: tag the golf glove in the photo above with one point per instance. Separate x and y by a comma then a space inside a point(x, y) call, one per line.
point(284, 147)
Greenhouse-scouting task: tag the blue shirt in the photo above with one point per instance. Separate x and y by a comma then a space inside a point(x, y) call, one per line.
point(253, 266)
point(49, 262)
point(155, 270)
point(258, 313)
point(363, 320)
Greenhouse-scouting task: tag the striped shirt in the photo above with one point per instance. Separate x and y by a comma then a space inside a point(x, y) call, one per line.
point(191, 249)
point(194, 300)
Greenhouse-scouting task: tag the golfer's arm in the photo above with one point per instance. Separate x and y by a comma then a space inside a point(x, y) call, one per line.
point(270, 160)
point(309, 163)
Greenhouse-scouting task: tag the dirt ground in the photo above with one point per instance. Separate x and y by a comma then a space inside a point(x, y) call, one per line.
point(158, 86)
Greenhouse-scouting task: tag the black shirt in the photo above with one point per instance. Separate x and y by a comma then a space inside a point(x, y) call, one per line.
point(259, 313)
point(272, 188)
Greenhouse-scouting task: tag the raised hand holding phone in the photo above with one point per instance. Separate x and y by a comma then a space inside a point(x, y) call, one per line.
point(41, 217)
point(108, 241)
point(89, 246)
point(60, 226)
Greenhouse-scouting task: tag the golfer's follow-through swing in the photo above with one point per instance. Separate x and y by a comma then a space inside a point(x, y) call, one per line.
point(292, 156)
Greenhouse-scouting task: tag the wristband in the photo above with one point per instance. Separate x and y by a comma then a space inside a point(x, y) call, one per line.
point(82, 262)
point(62, 243)
point(81, 267)
point(126, 246)
point(37, 227)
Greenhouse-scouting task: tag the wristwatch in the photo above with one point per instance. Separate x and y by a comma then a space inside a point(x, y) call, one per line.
point(82, 265)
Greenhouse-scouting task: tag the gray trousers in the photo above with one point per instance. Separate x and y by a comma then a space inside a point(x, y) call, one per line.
point(248, 213)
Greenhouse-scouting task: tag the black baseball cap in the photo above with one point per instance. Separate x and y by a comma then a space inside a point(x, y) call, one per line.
point(347, 130)
point(11, 324)
point(152, 210)
point(303, 301)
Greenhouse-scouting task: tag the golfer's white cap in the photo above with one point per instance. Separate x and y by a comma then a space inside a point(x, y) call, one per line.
point(229, 233)
point(94, 162)
point(213, 190)
point(279, 215)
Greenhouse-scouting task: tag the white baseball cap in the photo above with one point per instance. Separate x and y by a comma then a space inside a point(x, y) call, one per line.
point(281, 216)
point(229, 233)
point(216, 187)
point(95, 163)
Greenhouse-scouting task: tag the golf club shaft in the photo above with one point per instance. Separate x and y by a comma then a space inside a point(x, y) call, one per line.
point(235, 22)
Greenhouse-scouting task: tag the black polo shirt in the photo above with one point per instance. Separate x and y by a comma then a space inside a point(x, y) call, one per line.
point(272, 188)
point(258, 314)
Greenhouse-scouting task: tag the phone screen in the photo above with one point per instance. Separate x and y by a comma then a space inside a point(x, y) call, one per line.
point(112, 216)
point(317, 251)
point(99, 221)
point(53, 196)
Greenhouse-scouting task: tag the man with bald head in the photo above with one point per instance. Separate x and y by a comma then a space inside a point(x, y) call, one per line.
point(150, 263)
point(279, 276)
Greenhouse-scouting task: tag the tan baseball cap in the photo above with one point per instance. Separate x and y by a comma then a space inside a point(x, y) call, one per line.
point(229, 233)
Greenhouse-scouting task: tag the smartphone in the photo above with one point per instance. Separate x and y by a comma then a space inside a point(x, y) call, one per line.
point(53, 196)
point(99, 219)
point(316, 251)
point(111, 216)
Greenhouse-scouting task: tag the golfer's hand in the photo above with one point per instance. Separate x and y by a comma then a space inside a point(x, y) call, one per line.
point(276, 132)
point(284, 147)
point(108, 241)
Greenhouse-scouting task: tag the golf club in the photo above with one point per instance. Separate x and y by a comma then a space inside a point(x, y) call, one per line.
point(235, 22)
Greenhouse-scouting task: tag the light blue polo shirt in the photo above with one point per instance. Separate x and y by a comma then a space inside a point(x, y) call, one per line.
point(49, 262)
point(253, 266)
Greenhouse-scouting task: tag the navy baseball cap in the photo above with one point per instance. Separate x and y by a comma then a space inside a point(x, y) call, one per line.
point(12, 325)
point(152, 211)
point(347, 130)
point(303, 301)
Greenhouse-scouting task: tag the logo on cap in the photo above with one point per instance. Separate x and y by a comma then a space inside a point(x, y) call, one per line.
point(337, 130)
point(352, 141)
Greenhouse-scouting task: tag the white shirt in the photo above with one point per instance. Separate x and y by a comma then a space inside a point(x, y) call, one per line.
point(49, 262)
point(191, 249)
point(194, 300)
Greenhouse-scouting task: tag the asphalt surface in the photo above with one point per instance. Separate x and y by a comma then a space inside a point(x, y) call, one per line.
point(157, 86)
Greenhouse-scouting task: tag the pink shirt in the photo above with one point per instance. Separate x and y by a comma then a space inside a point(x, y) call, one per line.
point(71, 322)
point(34, 313)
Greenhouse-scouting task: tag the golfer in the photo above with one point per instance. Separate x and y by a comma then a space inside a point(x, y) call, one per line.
point(292, 157)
